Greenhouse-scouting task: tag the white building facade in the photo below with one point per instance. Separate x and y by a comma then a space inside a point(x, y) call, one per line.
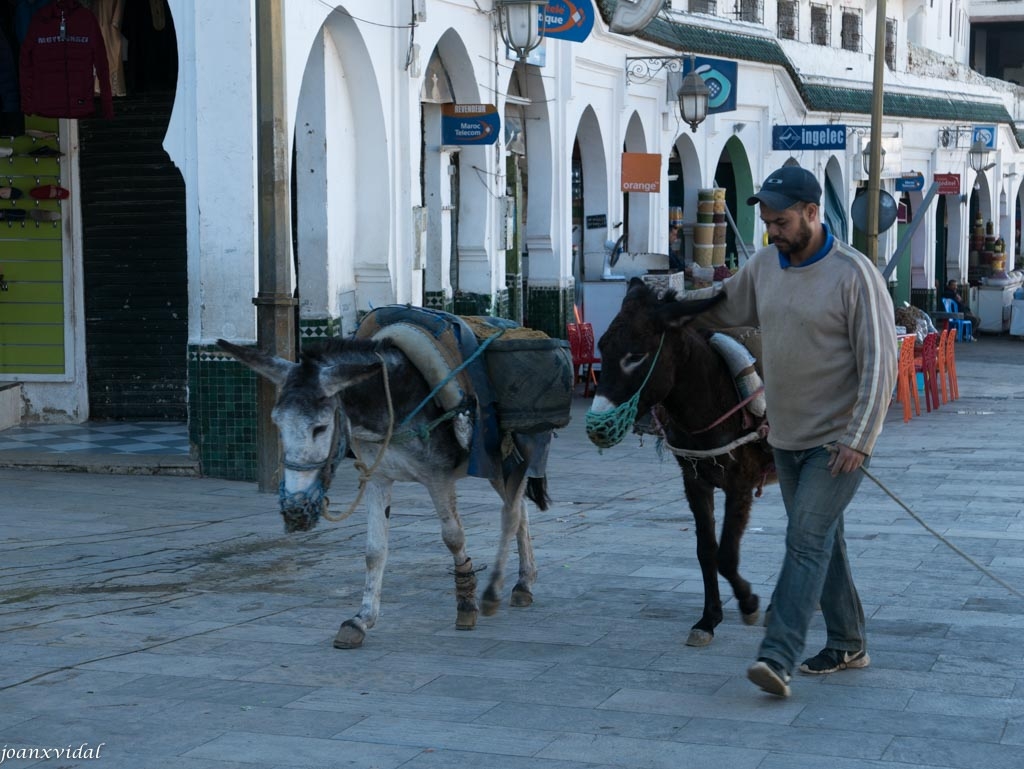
point(384, 210)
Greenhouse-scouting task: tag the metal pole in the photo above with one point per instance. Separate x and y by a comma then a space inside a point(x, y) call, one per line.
point(275, 324)
point(877, 101)
point(908, 235)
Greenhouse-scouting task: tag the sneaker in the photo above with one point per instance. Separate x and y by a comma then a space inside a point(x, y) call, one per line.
point(770, 677)
point(833, 660)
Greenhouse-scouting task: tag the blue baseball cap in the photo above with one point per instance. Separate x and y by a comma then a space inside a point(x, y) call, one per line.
point(787, 187)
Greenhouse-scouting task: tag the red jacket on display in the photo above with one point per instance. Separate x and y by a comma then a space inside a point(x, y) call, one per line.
point(63, 47)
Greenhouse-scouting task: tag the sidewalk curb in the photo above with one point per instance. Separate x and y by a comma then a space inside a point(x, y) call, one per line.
point(111, 464)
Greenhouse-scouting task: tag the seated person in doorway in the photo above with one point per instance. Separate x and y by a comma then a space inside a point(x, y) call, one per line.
point(675, 247)
point(952, 291)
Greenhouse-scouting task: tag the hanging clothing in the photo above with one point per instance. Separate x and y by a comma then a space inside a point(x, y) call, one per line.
point(61, 56)
point(109, 14)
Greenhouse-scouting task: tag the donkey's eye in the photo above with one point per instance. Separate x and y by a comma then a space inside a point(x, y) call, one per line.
point(631, 361)
point(319, 430)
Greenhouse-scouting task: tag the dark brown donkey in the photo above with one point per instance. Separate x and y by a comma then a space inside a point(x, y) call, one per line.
point(655, 361)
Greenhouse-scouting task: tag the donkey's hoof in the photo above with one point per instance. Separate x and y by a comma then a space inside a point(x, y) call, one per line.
point(465, 619)
point(521, 597)
point(490, 607)
point(699, 637)
point(752, 618)
point(491, 602)
point(350, 636)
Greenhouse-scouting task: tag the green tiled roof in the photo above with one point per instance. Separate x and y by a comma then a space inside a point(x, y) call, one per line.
point(692, 38)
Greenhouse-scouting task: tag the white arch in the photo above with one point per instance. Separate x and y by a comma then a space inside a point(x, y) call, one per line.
point(341, 178)
point(595, 192)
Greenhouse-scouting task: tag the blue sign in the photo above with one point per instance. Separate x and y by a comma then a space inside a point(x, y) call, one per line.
point(809, 137)
point(913, 183)
point(567, 19)
point(469, 124)
point(986, 134)
point(720, 77)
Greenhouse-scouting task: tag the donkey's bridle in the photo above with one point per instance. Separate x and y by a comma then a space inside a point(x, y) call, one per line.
point(607, 428)
point(311, 503)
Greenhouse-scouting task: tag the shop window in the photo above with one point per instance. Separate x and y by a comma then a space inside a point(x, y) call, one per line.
point(750, 10)
point(851, 32)
point(788, 13)
point(821, 24)
point(704, 6)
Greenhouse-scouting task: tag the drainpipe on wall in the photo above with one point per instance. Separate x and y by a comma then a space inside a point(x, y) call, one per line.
point(275, 302)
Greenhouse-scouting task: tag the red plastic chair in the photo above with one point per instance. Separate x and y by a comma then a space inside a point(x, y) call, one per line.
point(954, 389)
point(940, 365)
point(581, 346)
point(927, 365)
point(906, 383)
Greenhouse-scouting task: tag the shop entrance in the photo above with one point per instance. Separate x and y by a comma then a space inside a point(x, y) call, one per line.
point(134, 256)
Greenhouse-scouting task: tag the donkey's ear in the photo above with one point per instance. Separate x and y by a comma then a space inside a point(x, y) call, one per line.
point(338, 376)
point(267, 366)
point(683, 311)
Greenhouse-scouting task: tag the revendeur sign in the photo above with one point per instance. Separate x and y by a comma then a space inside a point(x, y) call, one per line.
point(641, 172)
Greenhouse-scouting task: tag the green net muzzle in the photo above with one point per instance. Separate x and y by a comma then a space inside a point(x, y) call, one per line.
point(607, 428)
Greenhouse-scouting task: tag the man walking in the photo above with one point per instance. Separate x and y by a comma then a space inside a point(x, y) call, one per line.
point(829, 349)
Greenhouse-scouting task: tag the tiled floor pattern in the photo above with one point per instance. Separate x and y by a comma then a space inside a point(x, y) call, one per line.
point(99, 438)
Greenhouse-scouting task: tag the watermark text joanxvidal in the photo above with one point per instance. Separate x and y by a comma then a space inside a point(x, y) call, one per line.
point(45, 754)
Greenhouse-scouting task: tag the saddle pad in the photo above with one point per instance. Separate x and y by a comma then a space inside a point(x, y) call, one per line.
point(437, 342)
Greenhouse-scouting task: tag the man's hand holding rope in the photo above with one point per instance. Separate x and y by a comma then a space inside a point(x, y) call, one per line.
point(844, 459)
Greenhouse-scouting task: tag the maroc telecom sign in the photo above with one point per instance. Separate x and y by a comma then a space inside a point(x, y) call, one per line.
point(809, 137)
point(568, 19)
point(469, 124)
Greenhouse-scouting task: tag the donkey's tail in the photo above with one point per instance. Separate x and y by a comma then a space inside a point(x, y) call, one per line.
point(537, 492)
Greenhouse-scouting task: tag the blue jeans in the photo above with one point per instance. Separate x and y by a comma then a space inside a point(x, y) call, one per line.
point(815, 567)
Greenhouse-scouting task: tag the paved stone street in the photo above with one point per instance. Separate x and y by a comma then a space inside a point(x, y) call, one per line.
point(169, 622)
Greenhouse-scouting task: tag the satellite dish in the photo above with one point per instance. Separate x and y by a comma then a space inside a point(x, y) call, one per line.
point(633, 15)
point(887, 210)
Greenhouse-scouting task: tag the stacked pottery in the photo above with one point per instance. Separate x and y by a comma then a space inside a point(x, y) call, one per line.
point(704, 229)
point(999, 259)
point(718, 255)
point(988, 250)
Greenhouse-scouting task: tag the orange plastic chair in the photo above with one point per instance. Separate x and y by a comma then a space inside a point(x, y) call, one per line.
point(954, 390)
point(926, 365)
point(940, 364)
point(581, 347)
point(906, 380)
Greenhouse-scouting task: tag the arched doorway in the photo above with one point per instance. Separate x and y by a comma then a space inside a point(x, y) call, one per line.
point(600, 298)
point(591, 205)
point(981, 224)
point(684, 179)
point(948, 260)
point(134, 249)
point(339, 194)
point(734, 175)
point(543, 274)
point(458, 271)
point(636, 206)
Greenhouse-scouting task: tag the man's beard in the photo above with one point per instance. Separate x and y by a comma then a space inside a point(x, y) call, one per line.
point(799, 242)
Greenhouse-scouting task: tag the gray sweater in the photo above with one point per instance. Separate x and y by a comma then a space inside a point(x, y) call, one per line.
point(829, 345)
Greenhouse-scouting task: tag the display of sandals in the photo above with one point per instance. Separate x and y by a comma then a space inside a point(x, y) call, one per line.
point(31, 188)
